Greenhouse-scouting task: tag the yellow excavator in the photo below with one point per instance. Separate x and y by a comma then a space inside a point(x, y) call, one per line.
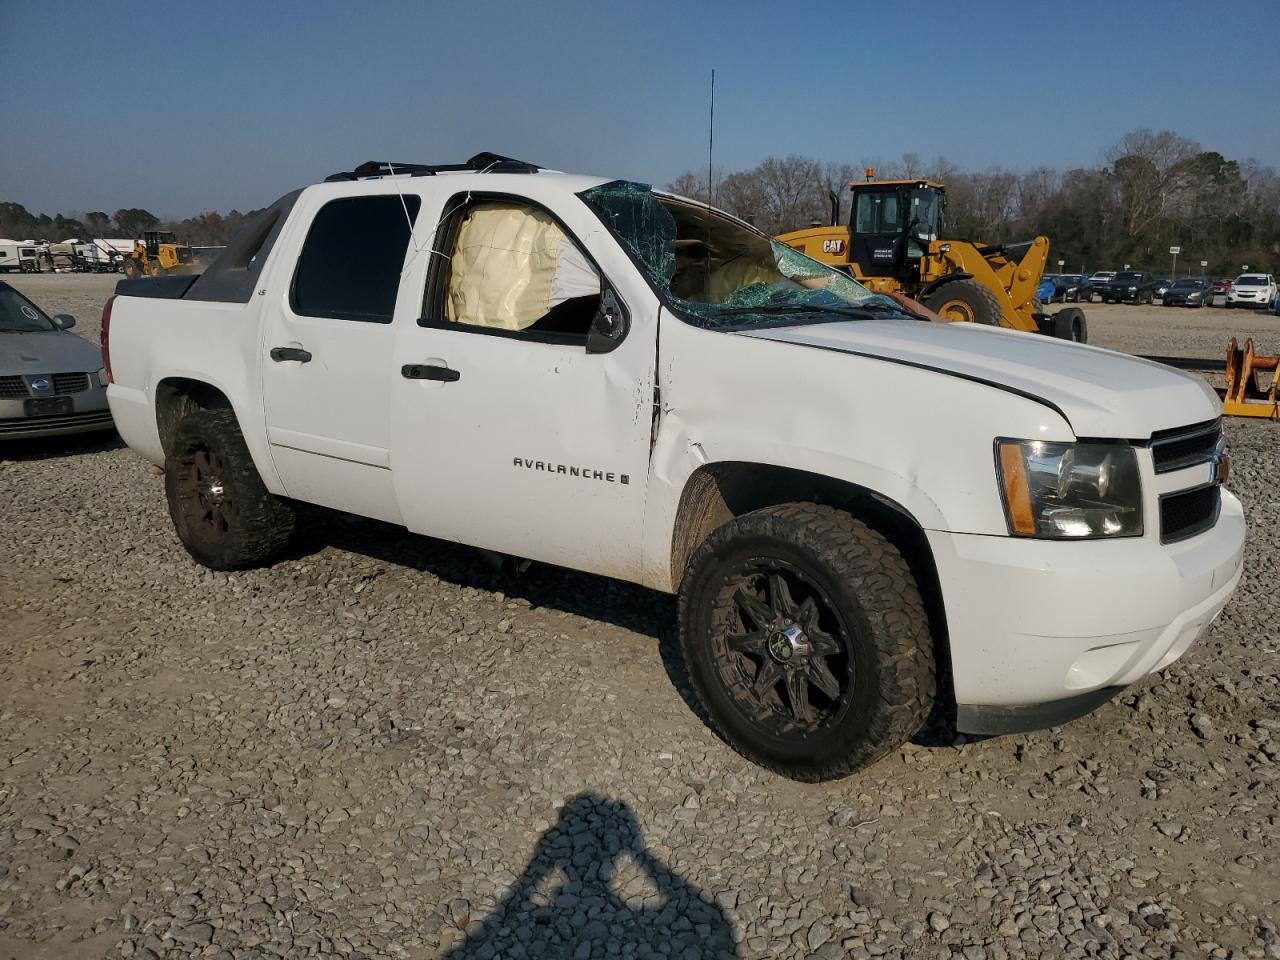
point(156, 252)
point(891, 245)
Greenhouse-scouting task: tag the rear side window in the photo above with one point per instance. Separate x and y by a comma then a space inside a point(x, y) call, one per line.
point(352, 258)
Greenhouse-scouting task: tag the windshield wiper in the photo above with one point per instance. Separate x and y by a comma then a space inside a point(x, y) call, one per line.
point(869, 312)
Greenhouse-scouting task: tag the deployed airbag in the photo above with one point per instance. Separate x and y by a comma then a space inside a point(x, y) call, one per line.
point(511, 264)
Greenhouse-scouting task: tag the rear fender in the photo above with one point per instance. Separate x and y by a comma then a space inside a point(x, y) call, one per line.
point(252, 424)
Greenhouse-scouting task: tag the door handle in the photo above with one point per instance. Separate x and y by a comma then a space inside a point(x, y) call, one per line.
point(281, 354)
point(429, 371)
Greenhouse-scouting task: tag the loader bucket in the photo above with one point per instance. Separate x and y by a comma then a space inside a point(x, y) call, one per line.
point(1245, 394)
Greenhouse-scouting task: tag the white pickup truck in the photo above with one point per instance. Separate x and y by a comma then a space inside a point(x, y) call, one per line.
point(862, 513)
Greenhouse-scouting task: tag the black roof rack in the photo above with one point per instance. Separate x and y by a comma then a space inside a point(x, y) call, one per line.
point(481, 163)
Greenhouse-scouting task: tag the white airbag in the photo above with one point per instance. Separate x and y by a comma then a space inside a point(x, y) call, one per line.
point(510, 265)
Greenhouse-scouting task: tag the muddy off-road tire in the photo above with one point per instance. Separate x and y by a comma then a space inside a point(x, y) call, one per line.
point(965, 300)
point(806, 640)
point(223, 513)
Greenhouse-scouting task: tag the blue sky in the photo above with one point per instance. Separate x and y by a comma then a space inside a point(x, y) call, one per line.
point(222, 105)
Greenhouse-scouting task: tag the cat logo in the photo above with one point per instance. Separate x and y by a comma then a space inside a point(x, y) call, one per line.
point(833, 246)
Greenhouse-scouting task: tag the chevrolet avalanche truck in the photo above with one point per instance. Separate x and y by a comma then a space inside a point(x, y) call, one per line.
point(861, 513)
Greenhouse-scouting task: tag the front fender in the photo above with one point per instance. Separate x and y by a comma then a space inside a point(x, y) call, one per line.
point(919, 438)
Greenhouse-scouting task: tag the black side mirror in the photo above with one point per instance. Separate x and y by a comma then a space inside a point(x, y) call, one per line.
point(609, 326)
point(64, 321)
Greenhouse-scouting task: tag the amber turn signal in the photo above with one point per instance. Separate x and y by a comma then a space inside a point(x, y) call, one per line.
point(1017, 491)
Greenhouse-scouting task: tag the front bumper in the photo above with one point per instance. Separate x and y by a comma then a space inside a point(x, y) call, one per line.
point(1033, 624)
point(89, 413)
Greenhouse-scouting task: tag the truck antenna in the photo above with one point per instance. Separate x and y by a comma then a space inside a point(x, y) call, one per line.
point(711, 145)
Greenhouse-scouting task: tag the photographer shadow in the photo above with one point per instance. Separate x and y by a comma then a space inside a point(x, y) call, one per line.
point(593, 889)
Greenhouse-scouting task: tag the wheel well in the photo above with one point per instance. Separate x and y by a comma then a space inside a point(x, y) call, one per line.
point(718, 492)
point(178, 396)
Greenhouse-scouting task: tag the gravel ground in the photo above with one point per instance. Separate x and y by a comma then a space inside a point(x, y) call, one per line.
point(380, 747)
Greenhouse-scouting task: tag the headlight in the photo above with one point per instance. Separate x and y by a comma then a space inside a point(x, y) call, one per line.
point(1133, 289)
point(1069, 491)
point(102, 377)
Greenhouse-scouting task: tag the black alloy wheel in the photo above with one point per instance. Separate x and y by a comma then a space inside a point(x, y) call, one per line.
point(204, 493)
point(782, 649)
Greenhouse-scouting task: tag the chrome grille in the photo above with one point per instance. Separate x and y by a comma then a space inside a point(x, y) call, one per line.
point(1185, 447)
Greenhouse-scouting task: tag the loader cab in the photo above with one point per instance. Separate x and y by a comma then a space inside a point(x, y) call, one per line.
point(891, 224)
point(152, 239)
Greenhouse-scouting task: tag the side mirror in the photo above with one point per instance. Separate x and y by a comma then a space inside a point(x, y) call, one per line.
point(64, 321)
point(609, 326)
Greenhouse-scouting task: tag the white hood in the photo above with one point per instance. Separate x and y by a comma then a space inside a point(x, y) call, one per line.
point(1100, 392)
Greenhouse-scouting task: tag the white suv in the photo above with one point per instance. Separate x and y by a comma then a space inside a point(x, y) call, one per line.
point(1099, 280)
point(863, 513)
point(1252, 290)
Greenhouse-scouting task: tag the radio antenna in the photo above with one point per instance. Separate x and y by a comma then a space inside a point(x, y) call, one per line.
point(711, 146)
point(711, 139)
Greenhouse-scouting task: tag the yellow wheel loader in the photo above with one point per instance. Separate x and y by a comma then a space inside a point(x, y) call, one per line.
point(156, 252)
point(891, 245)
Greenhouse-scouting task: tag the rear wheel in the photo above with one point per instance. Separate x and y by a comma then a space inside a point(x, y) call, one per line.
point(806, 640)
point(153, 268)
point(965, 300)
point(1069, 324)
point(130, 268)
point(222, 511)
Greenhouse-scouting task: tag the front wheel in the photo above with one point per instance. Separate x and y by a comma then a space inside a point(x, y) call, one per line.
point(965, 300)
point(222, 511)
point(806, 640)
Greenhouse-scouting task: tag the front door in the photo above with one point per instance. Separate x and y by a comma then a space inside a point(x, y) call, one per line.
point(327, 356)
point(506, 433)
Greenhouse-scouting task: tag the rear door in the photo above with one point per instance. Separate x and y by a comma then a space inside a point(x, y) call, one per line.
point(507, 433)
point(327, 351)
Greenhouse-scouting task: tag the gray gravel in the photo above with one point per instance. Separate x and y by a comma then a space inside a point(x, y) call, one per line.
point(381, 747)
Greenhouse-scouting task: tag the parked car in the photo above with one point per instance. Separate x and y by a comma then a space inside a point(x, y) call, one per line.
point(1162, 287)
point(1071, 288)
point(1132, 286)
point(1252, 290)
point(1190, 292)
point(1221, 286)
point(610, 378)
point(51, 381)
point(1099, 279)
point(1046, 288)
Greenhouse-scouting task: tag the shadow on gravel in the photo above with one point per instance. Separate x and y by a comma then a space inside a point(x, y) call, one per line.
point(72, 445)
point(593, 888)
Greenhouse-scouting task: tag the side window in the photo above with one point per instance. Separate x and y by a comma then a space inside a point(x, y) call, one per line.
point(352, 258)
point(889, 214)
point(512, 268)
point(865, 222)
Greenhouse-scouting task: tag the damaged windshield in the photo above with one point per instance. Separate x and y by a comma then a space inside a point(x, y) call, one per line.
point(718, 272)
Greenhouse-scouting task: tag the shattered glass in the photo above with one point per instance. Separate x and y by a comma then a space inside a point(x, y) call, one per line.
point(717, 272)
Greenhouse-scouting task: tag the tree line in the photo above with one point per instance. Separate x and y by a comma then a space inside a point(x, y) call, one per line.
point(1153, 191)
point(210, 229)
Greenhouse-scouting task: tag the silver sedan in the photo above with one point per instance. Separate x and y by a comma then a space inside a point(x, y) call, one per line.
point(51, 381)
